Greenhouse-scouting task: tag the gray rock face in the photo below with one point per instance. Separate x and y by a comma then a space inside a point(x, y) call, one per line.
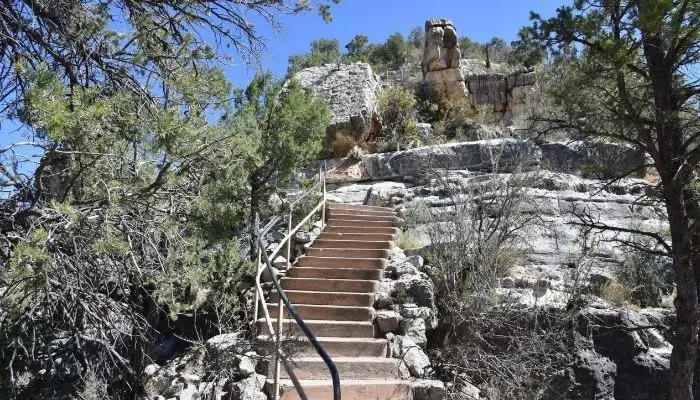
point(441, 61)
point(351, 91)
point(617, 360)
point(506, 88)
point(592, 159)
point(482, 155)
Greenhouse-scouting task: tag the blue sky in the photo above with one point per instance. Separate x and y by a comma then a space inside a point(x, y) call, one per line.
point(479, 20)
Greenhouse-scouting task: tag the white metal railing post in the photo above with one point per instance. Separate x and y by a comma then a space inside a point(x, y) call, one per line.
point(322, 176)
point(258, 271)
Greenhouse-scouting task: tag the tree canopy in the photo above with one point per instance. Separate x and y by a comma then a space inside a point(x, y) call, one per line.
point(131, 221)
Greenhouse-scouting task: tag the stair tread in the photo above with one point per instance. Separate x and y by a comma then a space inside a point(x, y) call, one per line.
point(323, 292)
point(336, 339)
point(321, 321)
point(345, 359)
point(330, 279)
point(325, 305)
point(320, 382)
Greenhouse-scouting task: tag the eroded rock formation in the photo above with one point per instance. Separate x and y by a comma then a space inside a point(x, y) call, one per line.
point(441, 60)
point(503, 87)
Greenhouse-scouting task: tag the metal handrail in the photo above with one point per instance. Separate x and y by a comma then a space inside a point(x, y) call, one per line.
point(264, 263)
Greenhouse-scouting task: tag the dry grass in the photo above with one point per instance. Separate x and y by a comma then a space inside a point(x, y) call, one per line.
point(616, 293)
point(407, 241)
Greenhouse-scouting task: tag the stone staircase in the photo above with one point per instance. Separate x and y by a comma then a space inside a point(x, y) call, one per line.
point(333, 288)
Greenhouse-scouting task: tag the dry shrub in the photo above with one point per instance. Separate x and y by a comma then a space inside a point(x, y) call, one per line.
point(509, 353)
point(616, 293)
point(343, 144)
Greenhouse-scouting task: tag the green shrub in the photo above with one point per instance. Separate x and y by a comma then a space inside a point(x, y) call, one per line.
point(417, 213)
point(397, 109)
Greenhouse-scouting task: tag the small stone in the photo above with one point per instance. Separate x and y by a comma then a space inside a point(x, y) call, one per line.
point(388, 321)
point(246, 364)
point(266, 277)
point(280, 262)
point(151, 369)
point(250, 388)
point(384, 297)
point(416, 260)
point(415, 359)
point(413, 311)
point(403, 268)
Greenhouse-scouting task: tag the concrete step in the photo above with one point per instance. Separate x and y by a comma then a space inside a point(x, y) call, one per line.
point(347, 253)
point(352, 244)
point(334, 346)
point(362, 229)
point(346, 329)
point(330, 285)
point(355, 207)
point(376, 213)
point(326, 298)
point(362, 223)
point(371, 237)
point(340, 262)
point(348, 368)
point(352, 216)
point(327, 313)
point(350, 389)
point(336, 273)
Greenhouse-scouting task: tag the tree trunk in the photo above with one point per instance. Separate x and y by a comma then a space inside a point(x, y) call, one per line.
point(685, 348)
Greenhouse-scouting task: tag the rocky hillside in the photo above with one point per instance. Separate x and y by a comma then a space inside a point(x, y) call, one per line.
point(618, 352)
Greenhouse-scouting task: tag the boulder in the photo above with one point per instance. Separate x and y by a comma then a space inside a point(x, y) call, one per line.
point(351, 91)
point(426, 389)
point(250, 388)
point(388, 321)
point(415, 359)
point(414, 329)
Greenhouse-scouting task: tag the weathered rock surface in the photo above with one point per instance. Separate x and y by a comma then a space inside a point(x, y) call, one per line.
point(611, 357)
point(616, 359)
point(351, 91)
point(505, 88)
point(442, 76)
point(405, 349)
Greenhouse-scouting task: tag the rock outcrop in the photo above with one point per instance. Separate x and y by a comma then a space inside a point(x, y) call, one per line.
point(505, 88)
point(583, 159)
point(616, 352)
point(351, 91)
point(442, 76)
